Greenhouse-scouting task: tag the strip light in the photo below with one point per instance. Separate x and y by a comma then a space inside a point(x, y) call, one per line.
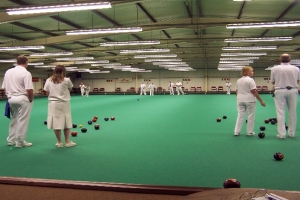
point(91, 62)
point(167, 66)
point(264, 24)
point(241, 58)
point(164, 60)
point(156, 56)
point(230, 69)
point(144, 50)
point(248, 48)
point(52, 54)
point(76, 58)
point(104, 31)
point(169, 63)
point(263, 39)
point(243, 54)
point(237, 61)
point(9, 61)
point(108, 44)
point(15, 48)
point(105, 65)
point(58, 8)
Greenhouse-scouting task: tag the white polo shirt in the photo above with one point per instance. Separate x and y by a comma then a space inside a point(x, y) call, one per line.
point(285, 75)
point(16, 81)
point(58, 92)
point(244, 86)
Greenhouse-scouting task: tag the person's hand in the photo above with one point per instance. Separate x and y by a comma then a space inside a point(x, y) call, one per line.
point(263, 103)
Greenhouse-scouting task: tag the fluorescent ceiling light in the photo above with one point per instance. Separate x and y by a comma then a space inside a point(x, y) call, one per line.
point(264, 24)
point(263, 39)
point(100, 72)
point(248, 48)
point(106, 65)
point(243, 54)
point(140, 71)
point(15, 48)
point(58, 8)
point(183, 65)
point(9, 61)
point(52, 54)
point(230, 69)
point(144, 50)
point(168, 63)
point(156, 56)
point(237, 61)
point(269, 68)
point(104, 31)
point(76, 58)
point(232, 64)
point(108, 44)
point(164, 60)
point(242, 0)
point(38, 63)
point(44, 66)
point(91, 62)
point(241, 58)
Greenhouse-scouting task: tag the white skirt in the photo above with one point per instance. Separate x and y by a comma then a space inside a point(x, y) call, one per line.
point(59, 115)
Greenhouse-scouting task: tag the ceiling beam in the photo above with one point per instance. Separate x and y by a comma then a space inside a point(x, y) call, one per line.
point(106, 18)
point(282, 15)
point(13, 37)
point(168, 36)
point(188, 9)
point(66, 21)
point(56, 47)
point(33, 28)
point(83, 44)
point(200, 11)
point(146, 12)
point(19, 2)
point(136, 37)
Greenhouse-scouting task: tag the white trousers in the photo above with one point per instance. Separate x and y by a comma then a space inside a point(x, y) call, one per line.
point(151, 92)
point(286, 98)
point(87, 93)
point(242, 108)
point(20, 108)
point(228, 90)
point(143, 90)
point(171, 90)
point(82, 92)
point(179, 90)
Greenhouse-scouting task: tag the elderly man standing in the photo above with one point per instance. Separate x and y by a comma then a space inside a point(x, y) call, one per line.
point(285, 78)
point(19, 90)
point(143, 89)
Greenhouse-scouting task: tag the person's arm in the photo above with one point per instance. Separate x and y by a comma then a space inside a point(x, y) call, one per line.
point(255, 93)
point(30, 95)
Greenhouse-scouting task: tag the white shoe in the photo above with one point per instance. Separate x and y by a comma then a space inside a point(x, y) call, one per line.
point(251, 134)
point(59, 145)
point(236, 134)
point(280, 137)
point(70, 144)
point(23, 144)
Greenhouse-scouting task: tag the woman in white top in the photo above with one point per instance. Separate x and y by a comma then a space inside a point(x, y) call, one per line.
point(246, 101)
point(58, 89)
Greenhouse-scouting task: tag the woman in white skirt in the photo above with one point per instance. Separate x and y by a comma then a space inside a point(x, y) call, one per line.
point(58, 89)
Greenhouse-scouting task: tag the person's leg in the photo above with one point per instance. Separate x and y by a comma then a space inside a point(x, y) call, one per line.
point(251, 117)
point(241, 108)
point(292, 107)
point(177, 89)
point(11, 139)
point(68, 142)
point(23, 120)
point(280, 104)
point(58, 136)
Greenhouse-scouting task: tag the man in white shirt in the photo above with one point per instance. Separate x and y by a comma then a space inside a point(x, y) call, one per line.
point(171, 88)
point(285, 78)
point(19, 90)
point(143, 89)
point(151, 87)
point(82, 89)
point(228, 85)
point(178, 88)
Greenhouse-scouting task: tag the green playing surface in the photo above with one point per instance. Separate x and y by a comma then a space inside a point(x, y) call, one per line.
point(156, 140)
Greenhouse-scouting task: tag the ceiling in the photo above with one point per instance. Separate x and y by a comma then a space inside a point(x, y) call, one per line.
point(194, 30)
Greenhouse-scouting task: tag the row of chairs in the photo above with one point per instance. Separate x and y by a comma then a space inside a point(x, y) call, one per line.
point(98, 90)
point(262, 88)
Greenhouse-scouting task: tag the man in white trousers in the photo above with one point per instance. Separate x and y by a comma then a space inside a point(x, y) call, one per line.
point(285, 78)
point(151, 87)
point(228, 85)
point(178, 88)
point(87, 90)
point(19, 90)
point(143, 89)
point(82, 89)
point(171, 88)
